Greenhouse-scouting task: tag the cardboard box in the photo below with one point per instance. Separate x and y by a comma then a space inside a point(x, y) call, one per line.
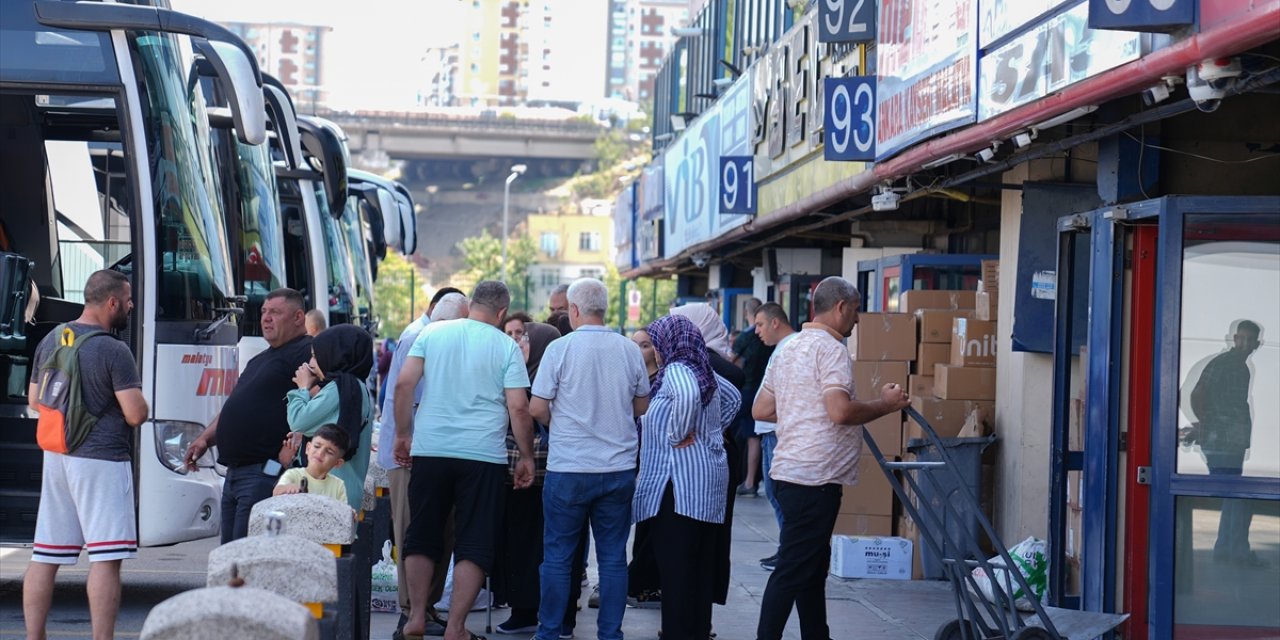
point(907, 530)
point(929, 354)
point(852, 524)
point(887, 431)
point(973, 343)
point(991, 275)
point(872, 496)
point(935, 324)
point(964, 383)
point(885, 558)
point(915, 300)
point(980, 422)
point(946, 417)
point(921, 385)
point(1075, 426)
point(870, 375)
point(884, 336)
point(986, 306)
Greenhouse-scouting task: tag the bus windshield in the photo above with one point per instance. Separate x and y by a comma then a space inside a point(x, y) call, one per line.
point(357, 230)
point(194, 265)
point(255, 221)
point(342, 279)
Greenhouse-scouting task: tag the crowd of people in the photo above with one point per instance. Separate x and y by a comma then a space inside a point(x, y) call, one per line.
point(513, 446)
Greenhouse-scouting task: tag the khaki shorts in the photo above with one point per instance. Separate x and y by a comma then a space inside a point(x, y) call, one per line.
point(85, 504)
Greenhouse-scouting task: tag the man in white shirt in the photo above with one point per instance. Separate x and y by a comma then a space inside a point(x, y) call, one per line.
point(590, 386)
point(775, 330)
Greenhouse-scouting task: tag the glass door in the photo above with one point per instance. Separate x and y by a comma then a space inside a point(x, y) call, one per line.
point(1215, 517)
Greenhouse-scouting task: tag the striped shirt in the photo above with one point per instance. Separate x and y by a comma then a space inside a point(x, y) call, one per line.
point(699, 473)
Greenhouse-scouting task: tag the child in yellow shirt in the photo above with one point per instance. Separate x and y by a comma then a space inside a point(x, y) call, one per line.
point(324, 454)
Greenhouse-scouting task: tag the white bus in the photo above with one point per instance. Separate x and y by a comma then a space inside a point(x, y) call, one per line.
point(107, 164)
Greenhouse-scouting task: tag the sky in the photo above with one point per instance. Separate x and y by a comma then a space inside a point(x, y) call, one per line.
point(370, 47)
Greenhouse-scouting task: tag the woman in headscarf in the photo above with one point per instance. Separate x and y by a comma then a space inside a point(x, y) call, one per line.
point(684, 473)
point(331, 390)
point(643, 588)
point(714, 333)
point(520, 549)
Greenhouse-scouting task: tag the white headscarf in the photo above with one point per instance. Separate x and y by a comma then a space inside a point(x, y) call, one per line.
point(709, 324)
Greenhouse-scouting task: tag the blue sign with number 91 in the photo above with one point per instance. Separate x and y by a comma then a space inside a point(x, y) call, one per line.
point(849, 119)
point(737, 184)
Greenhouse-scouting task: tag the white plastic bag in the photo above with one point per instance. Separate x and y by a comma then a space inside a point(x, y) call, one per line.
point(385, 592)
point(482, 599)
point(1029, 556)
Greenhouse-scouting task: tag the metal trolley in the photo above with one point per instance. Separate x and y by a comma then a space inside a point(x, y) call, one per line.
point(959, 551)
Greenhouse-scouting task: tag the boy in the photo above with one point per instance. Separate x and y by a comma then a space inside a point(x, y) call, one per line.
point(324, 454)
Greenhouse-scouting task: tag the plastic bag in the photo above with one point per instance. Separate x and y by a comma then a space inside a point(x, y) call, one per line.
point(483, 599)
point(1029, 556)
point(385, 592)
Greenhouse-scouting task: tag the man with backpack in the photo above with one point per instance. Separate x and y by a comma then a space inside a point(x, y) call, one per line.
point(86, 494)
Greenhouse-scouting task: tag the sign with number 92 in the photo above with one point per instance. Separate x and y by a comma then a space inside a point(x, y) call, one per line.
point(737, 184)
point(846, 20)
point(849, 119)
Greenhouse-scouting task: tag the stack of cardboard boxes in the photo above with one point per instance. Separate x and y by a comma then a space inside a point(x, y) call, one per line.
point(1075, 485)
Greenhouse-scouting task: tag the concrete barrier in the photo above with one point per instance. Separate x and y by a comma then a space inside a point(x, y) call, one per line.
point(294, 567)
point(217, 613)
point(317, 518)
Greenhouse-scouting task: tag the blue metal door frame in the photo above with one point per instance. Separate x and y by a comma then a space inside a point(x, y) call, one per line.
point(1167, 485)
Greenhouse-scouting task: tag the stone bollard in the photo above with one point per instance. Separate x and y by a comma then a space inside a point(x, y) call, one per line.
point(330, 523)
point(289, 565)
point(317, 518)
point(216, 613)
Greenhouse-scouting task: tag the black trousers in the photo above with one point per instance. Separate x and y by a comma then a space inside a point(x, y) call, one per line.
point(686, 565)
point(642, 573)
point(516, 580)
point(804, 557)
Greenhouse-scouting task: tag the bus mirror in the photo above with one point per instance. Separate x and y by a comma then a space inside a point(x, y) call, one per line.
point(328, 157)
point(286, 125)
point(237, 79)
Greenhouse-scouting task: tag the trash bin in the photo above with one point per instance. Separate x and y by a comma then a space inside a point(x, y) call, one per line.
point(940, 486)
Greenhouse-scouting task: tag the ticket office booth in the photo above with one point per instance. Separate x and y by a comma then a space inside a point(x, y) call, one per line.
point(1179, 463)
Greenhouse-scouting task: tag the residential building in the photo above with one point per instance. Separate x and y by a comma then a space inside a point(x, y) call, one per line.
point(569, 247)
point(639, 38)
point(293, 53)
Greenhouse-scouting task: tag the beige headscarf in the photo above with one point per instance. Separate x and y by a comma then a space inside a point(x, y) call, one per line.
point(709, 324)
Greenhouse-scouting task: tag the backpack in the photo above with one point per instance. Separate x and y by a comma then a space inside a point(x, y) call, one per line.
point(64, 421)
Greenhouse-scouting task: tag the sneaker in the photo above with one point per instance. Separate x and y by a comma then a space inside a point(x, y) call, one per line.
point(594, 601)
point(514, 627)
point(770, 563)
point(645, 600)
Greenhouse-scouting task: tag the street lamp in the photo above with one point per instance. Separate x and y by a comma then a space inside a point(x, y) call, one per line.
point(516, 171)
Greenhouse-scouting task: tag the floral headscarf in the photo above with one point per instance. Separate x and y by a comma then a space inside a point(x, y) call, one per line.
point(677, 339)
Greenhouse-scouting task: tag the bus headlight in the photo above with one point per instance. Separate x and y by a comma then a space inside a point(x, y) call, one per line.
point(172, 439)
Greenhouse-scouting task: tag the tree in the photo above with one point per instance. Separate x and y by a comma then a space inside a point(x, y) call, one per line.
point(399, 294)
point(482, 256)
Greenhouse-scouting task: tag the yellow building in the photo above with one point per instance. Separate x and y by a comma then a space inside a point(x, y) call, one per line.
point(570, 246)
point(490, 53)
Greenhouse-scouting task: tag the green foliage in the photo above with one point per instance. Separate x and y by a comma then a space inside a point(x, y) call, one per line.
point(611, 148)
point(482, 256)
point(399, 296)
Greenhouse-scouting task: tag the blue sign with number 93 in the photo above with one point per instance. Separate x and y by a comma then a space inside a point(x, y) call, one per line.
point(849, 119)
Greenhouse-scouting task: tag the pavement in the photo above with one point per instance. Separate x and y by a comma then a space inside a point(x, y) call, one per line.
point(863, 609)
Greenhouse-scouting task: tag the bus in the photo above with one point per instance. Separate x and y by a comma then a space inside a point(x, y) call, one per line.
point(107, 163)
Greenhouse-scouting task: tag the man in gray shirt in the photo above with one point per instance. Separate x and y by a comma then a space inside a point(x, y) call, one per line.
point(590, 386)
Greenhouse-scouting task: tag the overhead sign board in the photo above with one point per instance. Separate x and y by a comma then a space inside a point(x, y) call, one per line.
point(999, 18)
point(849, 127)
point(736, 126)
point(846, 20)
point(737, 184)
point(1141, 15)
point(624, 221)
point(691, 164)
point(1056, 53)
point(926, 56)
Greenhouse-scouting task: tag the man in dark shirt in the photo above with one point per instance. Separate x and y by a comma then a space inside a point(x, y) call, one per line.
point(253, 425)
point(86, 495)
point(1224, 430)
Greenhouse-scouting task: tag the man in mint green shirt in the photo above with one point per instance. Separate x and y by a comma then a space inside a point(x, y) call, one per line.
point(474, 382)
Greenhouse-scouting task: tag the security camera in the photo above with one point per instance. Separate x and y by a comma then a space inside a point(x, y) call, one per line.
point(988, 154)
point(701, 259)
point(1207, 95)
point(1155, 94)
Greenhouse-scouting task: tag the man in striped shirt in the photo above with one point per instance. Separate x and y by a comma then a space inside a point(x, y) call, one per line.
point(589, 388)
point(808, 391)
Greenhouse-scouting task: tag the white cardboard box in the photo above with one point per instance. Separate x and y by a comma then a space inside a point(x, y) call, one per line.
point(885, 558)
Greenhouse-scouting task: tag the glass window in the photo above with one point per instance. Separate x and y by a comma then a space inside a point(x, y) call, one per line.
point(549, 243)
point(32, 52)
point(194, 263)
point(1227, 569)
point(589, 241)
point(342, 278)
point(1229, 418)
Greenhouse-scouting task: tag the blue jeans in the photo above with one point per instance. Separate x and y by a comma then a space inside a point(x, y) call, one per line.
point(244, 487)
point(767, 443)
point(569, 502)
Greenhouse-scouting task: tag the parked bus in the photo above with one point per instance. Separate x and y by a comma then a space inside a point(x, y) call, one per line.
point(107, 163)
